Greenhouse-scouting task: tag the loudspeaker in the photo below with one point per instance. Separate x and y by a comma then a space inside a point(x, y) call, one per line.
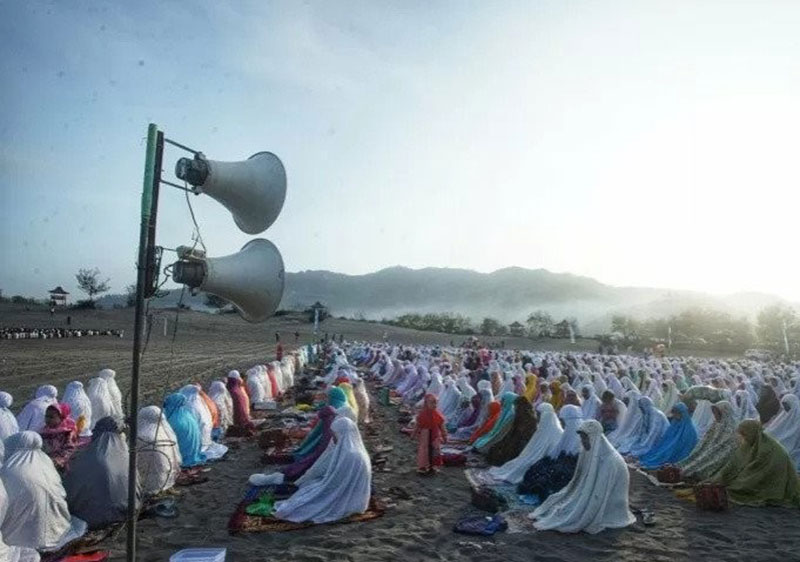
point(253, 190)
point(251, 279)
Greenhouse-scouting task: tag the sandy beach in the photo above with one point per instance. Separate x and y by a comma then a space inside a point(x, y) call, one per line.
point(419, 528)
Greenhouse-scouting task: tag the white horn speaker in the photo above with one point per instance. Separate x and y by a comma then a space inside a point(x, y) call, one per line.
point(251, 279)
point(253, 190)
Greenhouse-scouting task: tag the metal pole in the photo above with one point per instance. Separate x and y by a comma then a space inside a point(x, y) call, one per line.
point(151, 173)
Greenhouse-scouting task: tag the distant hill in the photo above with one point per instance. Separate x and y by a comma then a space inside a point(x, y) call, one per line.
point(507, 294)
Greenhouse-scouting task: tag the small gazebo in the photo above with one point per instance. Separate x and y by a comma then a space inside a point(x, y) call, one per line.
point(58, 297)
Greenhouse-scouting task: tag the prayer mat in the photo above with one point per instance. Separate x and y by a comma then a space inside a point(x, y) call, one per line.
point(484, 526)
point(454, 459)
point(96, 556)
point(277, 456)
point(503, 493)
point(274, 439)
point(87, 544)
point(241, 522)
point(519, 522)
point(190, 477)
point(235, 431)
point(655, 482)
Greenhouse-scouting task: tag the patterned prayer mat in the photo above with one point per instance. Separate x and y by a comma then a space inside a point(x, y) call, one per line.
point(480, 478)
point(241, 522)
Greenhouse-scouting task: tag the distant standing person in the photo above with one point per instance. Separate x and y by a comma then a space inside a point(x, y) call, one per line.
point(296, 336)
point(279, 351)
point(277, 337)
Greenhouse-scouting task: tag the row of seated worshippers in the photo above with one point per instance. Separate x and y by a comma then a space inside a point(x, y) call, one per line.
point(535, 432)
point(63, 475)
point(24, 333)
point(330, 466)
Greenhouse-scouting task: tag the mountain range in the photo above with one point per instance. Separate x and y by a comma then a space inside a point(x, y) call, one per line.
point(507, 294)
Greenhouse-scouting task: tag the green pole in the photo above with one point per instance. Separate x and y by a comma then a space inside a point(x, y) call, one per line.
point(142, 265)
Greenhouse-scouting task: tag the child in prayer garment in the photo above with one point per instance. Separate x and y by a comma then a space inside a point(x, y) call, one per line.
point(430, 434)
point(59, 435)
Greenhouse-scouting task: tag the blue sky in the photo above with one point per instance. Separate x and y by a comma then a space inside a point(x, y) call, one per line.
point(641, 143)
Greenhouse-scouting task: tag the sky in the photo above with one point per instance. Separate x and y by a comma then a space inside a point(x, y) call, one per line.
point(639, 143)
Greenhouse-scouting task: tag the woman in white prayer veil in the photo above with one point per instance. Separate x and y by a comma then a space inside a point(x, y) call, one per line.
point(702, 417)
point(12, 553)
point(255, 388)
point(597, 496)
point(159, 455)
point(37, 515)
point(743, 406)
point(283, 378)
point(450, 398)
point(287, 368)
point(8, 423)
point(222, 398)
point(263, 374)
point(543, 442)
point(31, 418)
point(437, 385)
point(599, 384)
point(337, 485)
point(670, 396)
point(197, 406)
point(110, 376)
point(80, 407)
point(347, 412)
point(591, 403)
point(100, 397)
point(615, 386)
point(362, 399)
point(508, 383)
point(621, 437)
point(654, 392)
point(785, 427)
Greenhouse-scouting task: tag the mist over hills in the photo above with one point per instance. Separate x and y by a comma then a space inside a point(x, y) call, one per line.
point(507, 294)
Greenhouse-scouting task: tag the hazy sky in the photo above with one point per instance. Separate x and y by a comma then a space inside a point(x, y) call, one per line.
point(641, 143)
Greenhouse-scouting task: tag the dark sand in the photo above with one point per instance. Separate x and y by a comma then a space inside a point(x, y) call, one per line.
point(416, 529)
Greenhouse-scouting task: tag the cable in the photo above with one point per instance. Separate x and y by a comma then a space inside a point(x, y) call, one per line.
point(194, 220)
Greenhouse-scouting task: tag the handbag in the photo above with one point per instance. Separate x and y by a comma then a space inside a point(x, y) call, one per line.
point(669, 474)
point(711, 497)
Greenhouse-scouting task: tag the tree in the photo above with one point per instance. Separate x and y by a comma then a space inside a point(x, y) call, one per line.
point(490, 327)
point(516, 329)
point(771, 322)
point(561, 330)
point(628, 327)
point(89, 282)
point(540, 324)
point(130, 296)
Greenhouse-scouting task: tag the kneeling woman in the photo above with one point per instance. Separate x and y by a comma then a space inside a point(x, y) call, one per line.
point(552, 472)
point(677, 442)
point(337, 485)
point(95, 483)
point(760, 471)
point(597, 496)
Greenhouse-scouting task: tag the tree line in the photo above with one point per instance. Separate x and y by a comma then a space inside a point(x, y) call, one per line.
point(539, 324)
point(774, 327)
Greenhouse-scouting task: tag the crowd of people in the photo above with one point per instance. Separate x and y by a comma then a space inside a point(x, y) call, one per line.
point(64, 462)
point(28, 333)
point(562, 428)
point(565, 427)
